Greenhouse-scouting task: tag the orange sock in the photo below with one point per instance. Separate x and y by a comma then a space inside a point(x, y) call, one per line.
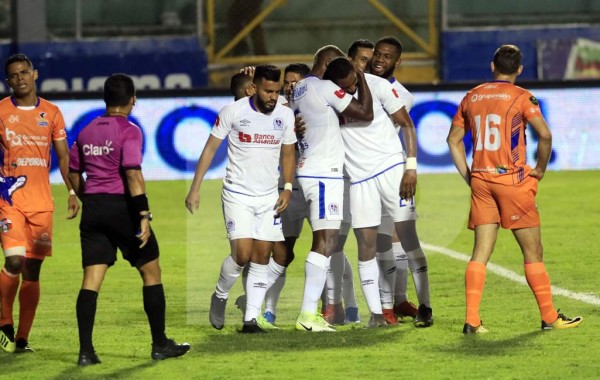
point(539, 282)
point(474, 281)
point(9, 283)
point(29, 297)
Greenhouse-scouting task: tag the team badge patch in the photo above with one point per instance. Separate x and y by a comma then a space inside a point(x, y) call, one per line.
point(230, 225)
point(334, 209)
point(534, 101)
point(42, 121)
point(340, 93)
point(5, 225)
point(278, 124)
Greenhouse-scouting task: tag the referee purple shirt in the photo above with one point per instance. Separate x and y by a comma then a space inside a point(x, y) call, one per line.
point(103, 149)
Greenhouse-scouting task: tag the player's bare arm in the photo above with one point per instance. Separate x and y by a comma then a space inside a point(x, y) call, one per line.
point(62, 152)
point(137, 187)
point(288, 164)
point(544, 148)
point(192, 201)
point(361, 109)
point(77, 183)
point(457, 151)
point(408, 185)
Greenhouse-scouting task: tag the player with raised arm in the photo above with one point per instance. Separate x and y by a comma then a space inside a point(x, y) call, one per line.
point(30, 126)
point(503, 186)
point(260, 132)
point(375, 163)
point(404, 242)
point(320, 171)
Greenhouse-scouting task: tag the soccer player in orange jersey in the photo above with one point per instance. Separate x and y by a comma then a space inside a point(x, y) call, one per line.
point(503, 186)
point(29, 126)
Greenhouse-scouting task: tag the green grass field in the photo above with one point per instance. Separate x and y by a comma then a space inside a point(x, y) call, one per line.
point(192, 250)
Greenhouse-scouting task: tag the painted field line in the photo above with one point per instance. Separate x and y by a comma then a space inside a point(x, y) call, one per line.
point(508, 274)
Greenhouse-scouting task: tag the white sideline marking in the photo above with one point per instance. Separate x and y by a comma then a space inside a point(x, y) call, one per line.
point(500, 271)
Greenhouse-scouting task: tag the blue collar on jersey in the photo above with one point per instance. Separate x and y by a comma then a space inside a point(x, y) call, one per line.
point(12, 99)
point(393, 80)
point(252, 104)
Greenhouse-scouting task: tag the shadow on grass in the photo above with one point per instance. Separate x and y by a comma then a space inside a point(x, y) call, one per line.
point(287, 339)
point(481, 345)
point(76, 372)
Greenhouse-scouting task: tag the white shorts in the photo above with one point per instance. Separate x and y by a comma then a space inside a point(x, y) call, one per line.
point(295, 213)
point(408, 212)
point(377, 196)
point(325, 197)
point(251, 217)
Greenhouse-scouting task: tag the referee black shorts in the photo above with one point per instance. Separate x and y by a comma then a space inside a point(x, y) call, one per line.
point(108, 223)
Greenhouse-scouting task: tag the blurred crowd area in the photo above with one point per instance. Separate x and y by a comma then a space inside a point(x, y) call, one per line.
point(233, 33)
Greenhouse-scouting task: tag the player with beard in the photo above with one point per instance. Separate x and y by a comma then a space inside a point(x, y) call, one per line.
point(404, 241)
point(260, 131)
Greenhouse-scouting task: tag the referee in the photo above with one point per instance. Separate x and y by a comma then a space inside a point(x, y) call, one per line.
point(116, 215)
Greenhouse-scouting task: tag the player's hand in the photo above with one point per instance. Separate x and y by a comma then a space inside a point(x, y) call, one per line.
point(192, 201)
point(144, 233)
point(248, 70)
point(537, 173)
point(73, 206)
point(299, 127)
point(408, 185)
point(283, 201)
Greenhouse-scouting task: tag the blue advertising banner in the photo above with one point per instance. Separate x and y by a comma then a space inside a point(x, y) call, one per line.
point(176, 129)
point(154, 63)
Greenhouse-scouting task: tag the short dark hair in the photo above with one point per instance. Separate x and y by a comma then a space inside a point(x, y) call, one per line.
point(17, 58)
point(298, 68)
point(338, 68)
point(268, 72)
point(391, 40)
point(118, 90)
point(327, 51)
point(239, 81)
point(507, 59)
point(360, 43)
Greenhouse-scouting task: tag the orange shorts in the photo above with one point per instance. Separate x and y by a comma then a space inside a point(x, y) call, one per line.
point(32, 230)
point(512, 206)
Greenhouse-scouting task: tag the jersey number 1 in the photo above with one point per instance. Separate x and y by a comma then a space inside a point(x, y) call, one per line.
point(491, 135)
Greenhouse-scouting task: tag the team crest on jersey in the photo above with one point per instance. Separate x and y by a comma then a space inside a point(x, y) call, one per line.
point(5, 225)
point(42, 121)
point(340, 93)
point(278, 124)
point(534, 101)
point(230, 225)
point(334, 209)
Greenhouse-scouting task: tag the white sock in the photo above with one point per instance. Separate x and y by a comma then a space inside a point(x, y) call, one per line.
point(418, 267)
point(369, 281)
point(274, 286)
point(401, 273)
point(257, 287)
point(315, 271)
point(335, 276)
point(348, 284)
point(386, 263)
point(230, 272)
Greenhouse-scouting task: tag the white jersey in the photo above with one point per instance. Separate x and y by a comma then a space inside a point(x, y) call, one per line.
point(321, 147)
point(373, 147)
point(254, 145)
point(407, 98)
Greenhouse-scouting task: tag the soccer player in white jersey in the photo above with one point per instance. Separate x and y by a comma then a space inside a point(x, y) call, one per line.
point(375, 163)
point(260, 132)
point(406, 246)
point(359, 52)
point(319, 170)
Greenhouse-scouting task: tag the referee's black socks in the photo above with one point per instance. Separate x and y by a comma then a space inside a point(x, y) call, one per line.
point(86, 313)
point(154, 306)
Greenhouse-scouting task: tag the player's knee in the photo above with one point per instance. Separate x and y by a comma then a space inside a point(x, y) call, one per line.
point(14, 264)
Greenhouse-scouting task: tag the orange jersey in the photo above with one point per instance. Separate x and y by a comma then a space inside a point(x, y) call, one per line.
point(26, 136)
point(496, 113)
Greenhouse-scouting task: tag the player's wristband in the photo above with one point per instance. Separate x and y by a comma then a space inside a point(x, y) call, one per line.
point(411, 163)
point(287, 186)
point(72, 192)
point(140, 203)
